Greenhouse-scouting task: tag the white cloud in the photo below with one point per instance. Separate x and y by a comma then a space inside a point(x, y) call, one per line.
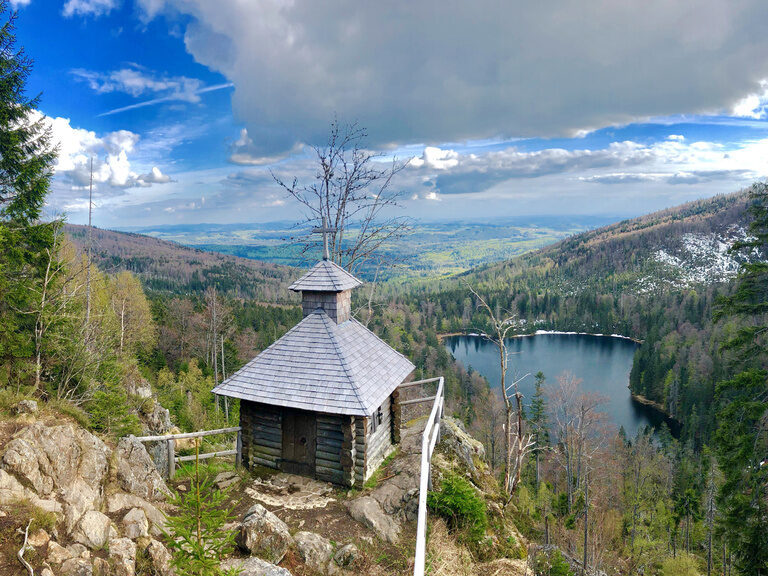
point(436, 158)
point(110, 154)
point(93, 8)
point(136, 81)
point(16, 4)
point(753, 105)
point(245, 152)
point(406, 81)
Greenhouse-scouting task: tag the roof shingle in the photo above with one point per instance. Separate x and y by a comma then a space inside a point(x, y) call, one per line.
point(322, 366)
point(325, 276)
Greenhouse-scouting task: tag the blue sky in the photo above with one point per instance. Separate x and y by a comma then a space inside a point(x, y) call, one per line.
point(504, 109)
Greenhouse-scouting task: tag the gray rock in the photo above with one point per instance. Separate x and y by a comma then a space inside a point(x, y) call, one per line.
point(76, 567)
point(122, 556)
point(263, 534)
point(94, 530)
point(254, 567)
point(160, 557)
point(346, 555)
point(64, 462)
point(455, 440)
point(136, 472)
point(121, 501)
point(57, 553)
point(368, 512)
point(101, 567)
point(224, 480)
point(78, 551)
point(26, 407)
point(158, 421)
point(135, 524)
point(316, 552)
point(39, 538)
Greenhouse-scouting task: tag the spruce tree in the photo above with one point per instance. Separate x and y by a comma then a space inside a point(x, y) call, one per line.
point(538, 420)
point(196, 534)
point(26, 167)
point(742, 433)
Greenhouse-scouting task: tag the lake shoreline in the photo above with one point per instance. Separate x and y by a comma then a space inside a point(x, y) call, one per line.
point(443, 336)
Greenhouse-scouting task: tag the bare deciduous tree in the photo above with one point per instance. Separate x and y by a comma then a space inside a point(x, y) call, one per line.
point(353, 193)
point(517, 444)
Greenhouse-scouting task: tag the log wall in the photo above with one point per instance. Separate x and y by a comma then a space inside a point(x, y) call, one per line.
point(262, 434)
point(328, 455)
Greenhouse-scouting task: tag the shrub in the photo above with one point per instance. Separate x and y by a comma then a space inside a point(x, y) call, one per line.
point(461, 506)
point(551, 563)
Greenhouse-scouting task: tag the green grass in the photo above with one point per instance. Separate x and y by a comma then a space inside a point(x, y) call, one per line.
point(373, 481)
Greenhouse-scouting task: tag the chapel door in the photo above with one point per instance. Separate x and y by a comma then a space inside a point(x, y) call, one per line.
point(299, 442)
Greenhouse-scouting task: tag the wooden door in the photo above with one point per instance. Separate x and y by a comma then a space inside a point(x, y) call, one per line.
point(299, 442)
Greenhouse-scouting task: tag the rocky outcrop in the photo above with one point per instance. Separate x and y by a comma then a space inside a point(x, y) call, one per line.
point(316, 552)
point(63, 462)
point(263, 534)
point(455, 440)
point(136, 473)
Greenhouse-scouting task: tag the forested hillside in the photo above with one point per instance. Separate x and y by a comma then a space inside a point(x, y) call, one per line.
point(172, 268)
point(654, 278)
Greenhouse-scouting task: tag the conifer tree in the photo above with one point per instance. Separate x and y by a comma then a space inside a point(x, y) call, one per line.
point(196, 534)
point(742, 434)
point(538, 420)
point(26, 166)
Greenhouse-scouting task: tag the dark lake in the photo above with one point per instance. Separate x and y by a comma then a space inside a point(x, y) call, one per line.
point(603, 363)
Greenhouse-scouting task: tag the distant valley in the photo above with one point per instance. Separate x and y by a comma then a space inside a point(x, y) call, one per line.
point(429, 249)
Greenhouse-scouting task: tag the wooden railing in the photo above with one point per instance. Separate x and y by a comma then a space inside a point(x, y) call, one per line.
point(429, 439)
point(170, 442)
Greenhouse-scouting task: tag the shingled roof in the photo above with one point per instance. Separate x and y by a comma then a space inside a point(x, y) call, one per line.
point(325, 276)
point(322, 366)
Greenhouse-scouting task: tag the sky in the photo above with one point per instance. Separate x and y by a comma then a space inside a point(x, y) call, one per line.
point(501, 108)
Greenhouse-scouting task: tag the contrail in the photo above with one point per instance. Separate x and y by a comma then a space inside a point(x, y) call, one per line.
point(166, 99)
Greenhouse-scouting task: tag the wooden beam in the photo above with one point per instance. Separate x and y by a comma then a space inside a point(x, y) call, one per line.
point(199, 434)
point(418, 400)
point(209, 455)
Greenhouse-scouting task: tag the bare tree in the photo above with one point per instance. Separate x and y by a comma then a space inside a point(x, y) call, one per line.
point(352, 192)
point(517, 444)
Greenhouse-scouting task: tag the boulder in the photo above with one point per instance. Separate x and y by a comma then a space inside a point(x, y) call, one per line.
point(93, 530)
point(263, 534)
point(76, 567)
point(122, 556)
point(455, 440)
point(26, 407)
point(135, 524)
point(136, 472)
point(79, 551)
point(346, 555)
point(182, 443)
point(316, 552)
point(254, 567)
point(160, 558)
point(57, 553)
point(368, 512)
point(121, 501)
point(46, 572)
point(39, 538)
